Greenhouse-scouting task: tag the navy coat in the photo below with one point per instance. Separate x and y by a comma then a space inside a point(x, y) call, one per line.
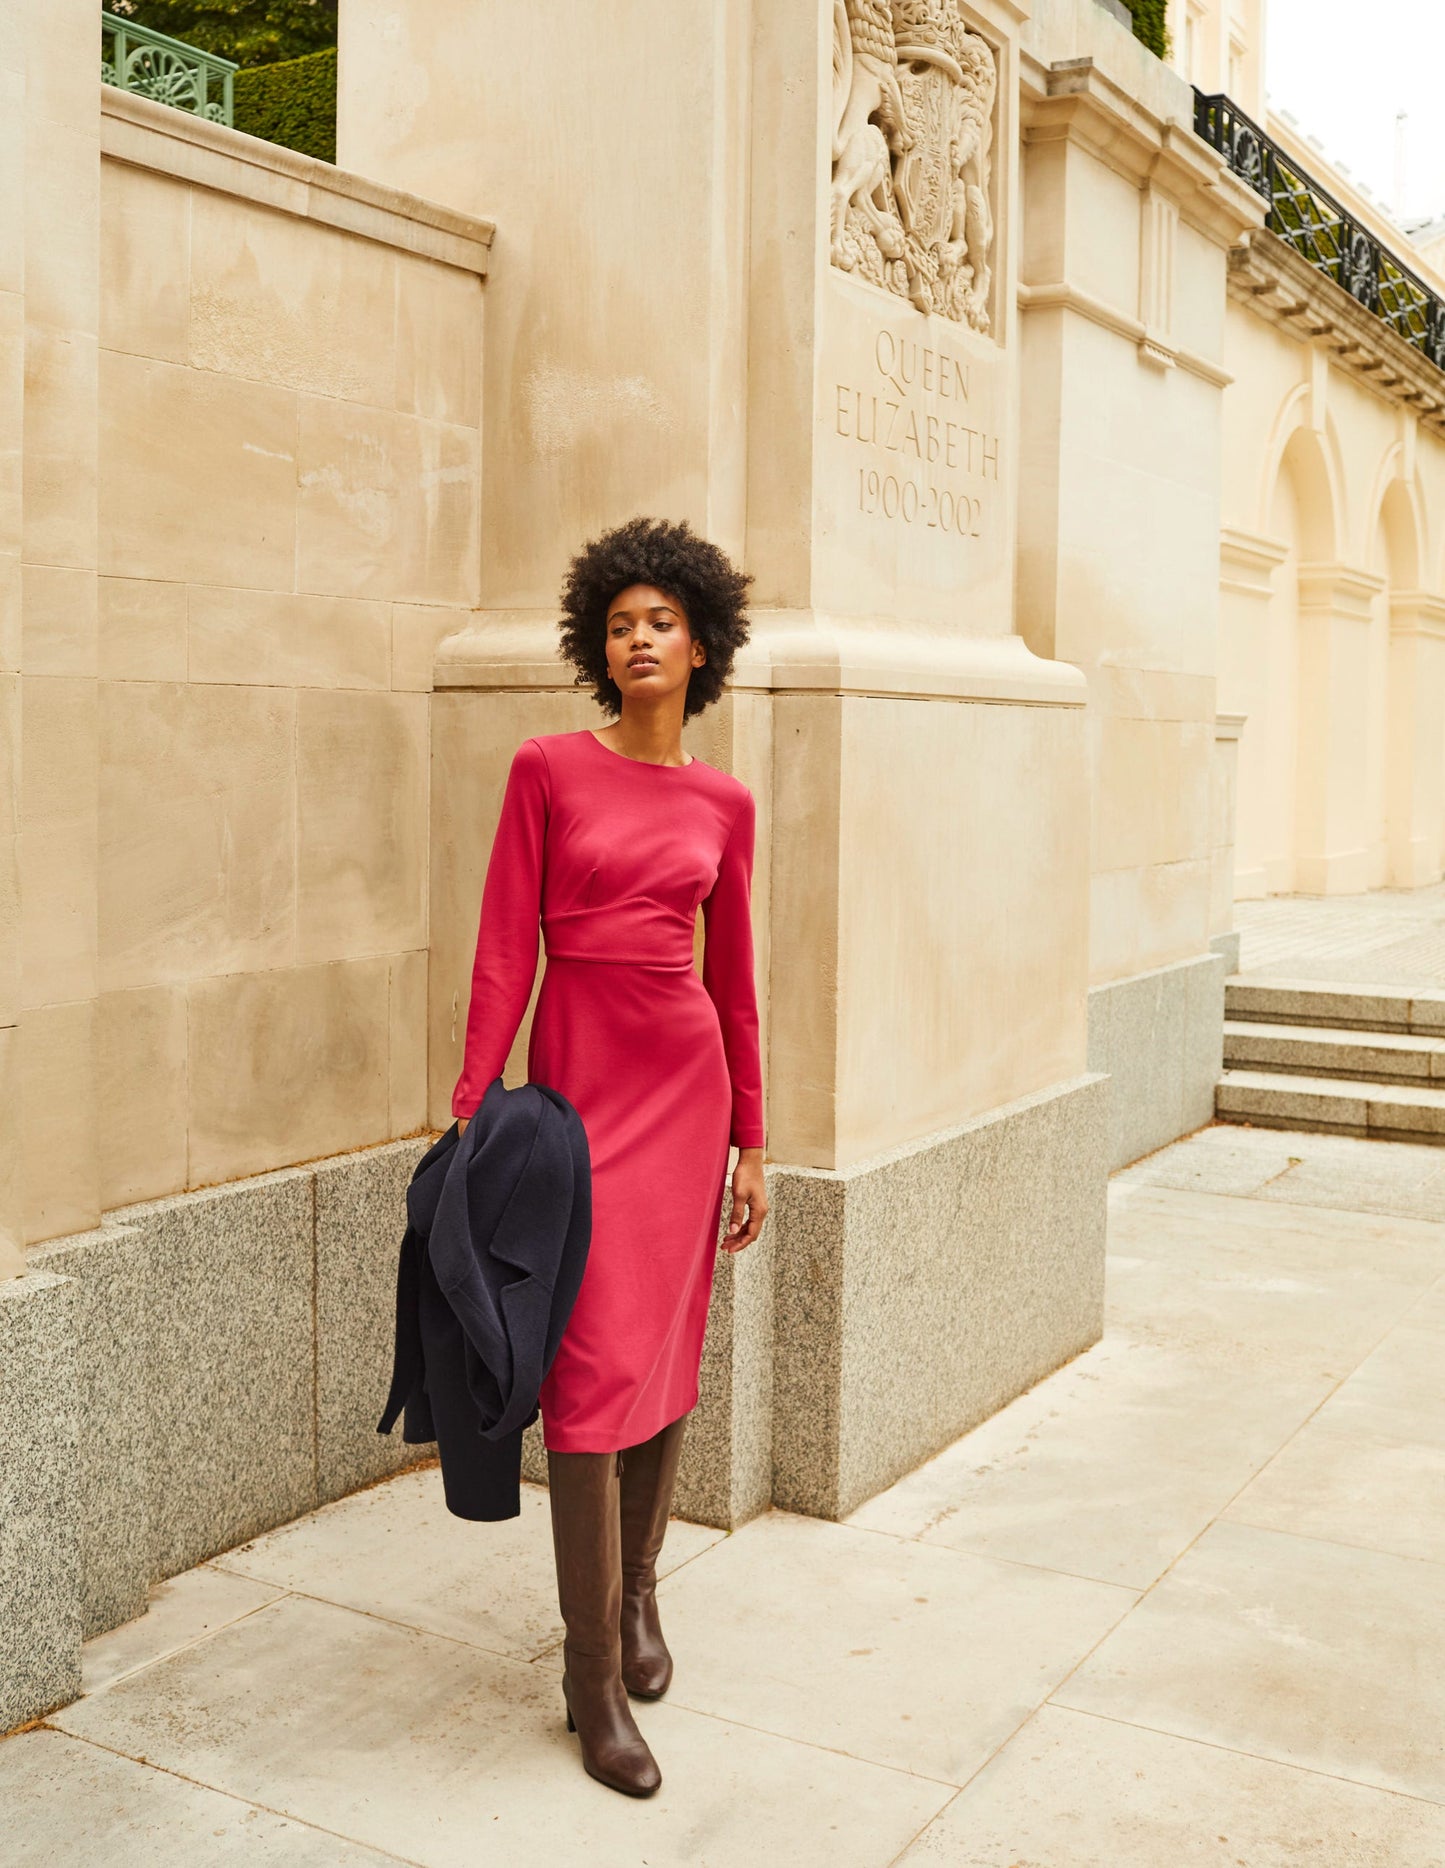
point(499, 1222)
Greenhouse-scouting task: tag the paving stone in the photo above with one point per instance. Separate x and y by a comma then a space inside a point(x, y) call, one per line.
point(69, 1804)
point(445, 1755)
point(1072, 1791)
point(1288, 1648)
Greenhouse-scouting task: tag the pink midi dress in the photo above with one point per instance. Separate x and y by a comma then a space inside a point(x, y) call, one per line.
point(612, 857)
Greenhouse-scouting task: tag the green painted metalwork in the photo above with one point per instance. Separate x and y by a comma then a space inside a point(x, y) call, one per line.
point(152, 64)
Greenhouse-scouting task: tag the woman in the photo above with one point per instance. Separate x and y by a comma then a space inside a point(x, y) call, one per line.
point(613, 840)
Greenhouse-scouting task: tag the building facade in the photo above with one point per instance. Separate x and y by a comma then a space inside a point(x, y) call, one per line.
point(1093, 584)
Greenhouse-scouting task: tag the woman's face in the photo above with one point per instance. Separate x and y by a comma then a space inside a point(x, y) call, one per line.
point(650, 647)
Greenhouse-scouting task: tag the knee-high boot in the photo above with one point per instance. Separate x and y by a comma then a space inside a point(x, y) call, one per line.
point(586, 1539)
point(648, 1473)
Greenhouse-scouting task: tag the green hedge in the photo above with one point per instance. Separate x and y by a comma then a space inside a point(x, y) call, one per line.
point(293, 102)
point(1149, 24)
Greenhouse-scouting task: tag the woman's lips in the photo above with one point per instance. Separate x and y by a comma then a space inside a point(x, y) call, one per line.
point(639, 666)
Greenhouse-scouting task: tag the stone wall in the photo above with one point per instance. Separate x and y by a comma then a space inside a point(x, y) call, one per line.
point(191, 1373)
point(285, 431)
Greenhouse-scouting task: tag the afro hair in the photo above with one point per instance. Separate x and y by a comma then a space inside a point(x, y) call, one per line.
point(687, 568)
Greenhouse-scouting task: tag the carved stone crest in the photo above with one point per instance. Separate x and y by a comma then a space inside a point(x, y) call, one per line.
point(913, 95)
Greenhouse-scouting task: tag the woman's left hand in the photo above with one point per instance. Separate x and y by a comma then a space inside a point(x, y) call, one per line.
point(750, 1192)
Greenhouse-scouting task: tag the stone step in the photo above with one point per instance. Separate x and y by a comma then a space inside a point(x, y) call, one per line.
point(1322, 1051)
point(1350, 1008)
point(1331, 1105)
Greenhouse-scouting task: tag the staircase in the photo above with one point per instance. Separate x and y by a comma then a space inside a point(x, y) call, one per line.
point(1343, 1060)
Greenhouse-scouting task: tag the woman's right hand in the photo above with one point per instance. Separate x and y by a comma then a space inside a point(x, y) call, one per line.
point(462, 1122)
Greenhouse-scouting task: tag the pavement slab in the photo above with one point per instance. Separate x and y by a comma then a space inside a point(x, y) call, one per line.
point(1180, 1605)
point(1119, 1796)
point(1290, 1648)
point(450, 1757)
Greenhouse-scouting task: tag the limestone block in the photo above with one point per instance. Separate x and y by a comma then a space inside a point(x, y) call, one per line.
point(1174, 901)
point(142, 630)
point(12, 162)
point(9, 849)
point(39, 1498)
point(361, 823)
point(230, 1445)
point(286, 1065)
point(388, 505)
point(59, 748)
point(145, 243)
point(917, 1294)
point(58, 830)
point(360, 1220)
point(12, 434)
point(59, 620)
point(439, 342)
point(142, 1116)
point(287, 301)
point(274, 639)
point(12, 1222)
point(197, 476)
point(59, 471)
point(59, 1145)
point(197, 830)
point(416, 629)
point(407, 1051)
point(10, 571)
point(111, 1274)
point(1115, 921)
point(62, 222)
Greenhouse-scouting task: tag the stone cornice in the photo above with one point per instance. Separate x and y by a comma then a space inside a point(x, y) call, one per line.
point(1229, 726)
point(1338, 589)
point(1246, 561)
point(148, 135)
point(1417, 613)
point(805, 651)
point(1063, 296)
point(1267, 274)
point(1081, 104)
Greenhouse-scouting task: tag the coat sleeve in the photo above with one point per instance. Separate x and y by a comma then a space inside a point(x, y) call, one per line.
point(727, 973)
point(508, 934)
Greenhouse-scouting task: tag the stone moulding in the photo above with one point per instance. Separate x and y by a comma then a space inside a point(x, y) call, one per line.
point(1062, 296)
point(1266, 274)
point(790, 651)
point(1075, 101)
point(171, 142)
point(914, 93)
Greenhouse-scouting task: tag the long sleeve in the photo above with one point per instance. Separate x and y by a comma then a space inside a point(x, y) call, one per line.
point(727, 973)
point(509, 931)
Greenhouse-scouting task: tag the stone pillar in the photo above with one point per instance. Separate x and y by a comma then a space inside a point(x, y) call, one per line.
point(58, 800)
point(1248, 658)
point(696, 311)
point(12, 430)
point(1224, 813)
point(1332, 832)
point(1415, 811)
point(49, 323)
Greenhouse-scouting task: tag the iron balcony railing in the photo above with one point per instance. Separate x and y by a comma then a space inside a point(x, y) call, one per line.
point(1310, 220)
point(138, 59)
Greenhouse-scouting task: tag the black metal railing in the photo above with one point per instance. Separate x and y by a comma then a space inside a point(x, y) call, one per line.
point(1309, 219)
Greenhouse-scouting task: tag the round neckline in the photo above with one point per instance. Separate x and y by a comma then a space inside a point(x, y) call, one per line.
point(626, 759)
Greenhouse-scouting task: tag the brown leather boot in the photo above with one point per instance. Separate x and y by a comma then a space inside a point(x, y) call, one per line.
point(586, 1540)
point(648, 1472)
